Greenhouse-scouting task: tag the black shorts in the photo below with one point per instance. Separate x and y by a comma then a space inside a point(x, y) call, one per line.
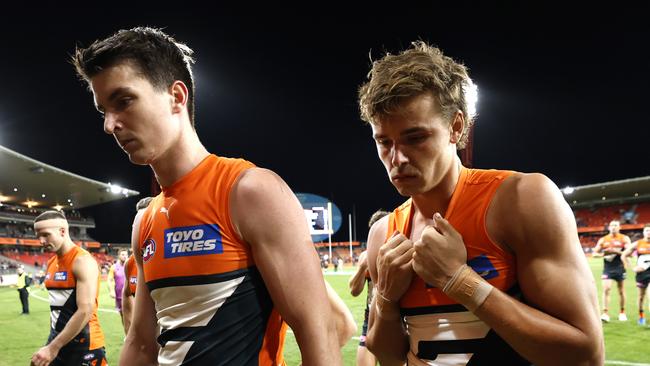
point(95, 357)
point(76, 352)
point(643, 279)
point(615, 273)
point(364, 329)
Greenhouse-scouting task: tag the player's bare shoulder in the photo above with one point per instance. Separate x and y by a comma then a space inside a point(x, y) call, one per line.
point(522, 204)
point(255, 179)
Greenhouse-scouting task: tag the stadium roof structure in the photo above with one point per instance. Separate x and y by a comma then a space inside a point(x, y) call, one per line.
point(609, 193)
point(28, 182)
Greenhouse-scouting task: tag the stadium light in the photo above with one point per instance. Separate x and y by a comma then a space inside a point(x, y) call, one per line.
point(471, 97)
point(115, 189)
point(58, 207)
point(568, 190)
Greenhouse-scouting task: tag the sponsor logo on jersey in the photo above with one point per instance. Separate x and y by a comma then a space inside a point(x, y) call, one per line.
point(149, 249)
point(133, 280)
point(483, 267)
point(193, 240)
point(61, 276)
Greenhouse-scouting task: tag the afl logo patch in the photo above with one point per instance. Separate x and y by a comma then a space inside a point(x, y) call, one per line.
point(149, 249)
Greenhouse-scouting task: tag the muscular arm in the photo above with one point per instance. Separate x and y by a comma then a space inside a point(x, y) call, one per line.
point(358, 279)
point(140, 347)
point(386, 338)
point(127, 299)
point(560, 325)
point(628, 244)
point(629, 249)
point(598, 249)
point(86, 273)
point(268, 216)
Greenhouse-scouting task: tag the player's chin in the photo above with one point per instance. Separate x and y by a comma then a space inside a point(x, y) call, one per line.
point(139, 159)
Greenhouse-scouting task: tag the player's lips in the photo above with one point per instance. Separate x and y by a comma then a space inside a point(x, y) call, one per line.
point(401, 177)
point(125, 143)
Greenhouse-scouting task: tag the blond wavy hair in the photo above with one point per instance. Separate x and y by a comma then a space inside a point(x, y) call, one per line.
point(418, 70)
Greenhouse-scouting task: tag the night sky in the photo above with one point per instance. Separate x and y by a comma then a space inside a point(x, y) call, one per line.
point(564, 95)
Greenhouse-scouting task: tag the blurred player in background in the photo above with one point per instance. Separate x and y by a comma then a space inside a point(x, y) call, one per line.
point(611, 247)
point(642, 268)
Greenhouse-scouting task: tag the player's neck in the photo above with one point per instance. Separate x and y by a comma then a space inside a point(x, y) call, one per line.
point(65, 248)
point(438, 198)
point(180, 159)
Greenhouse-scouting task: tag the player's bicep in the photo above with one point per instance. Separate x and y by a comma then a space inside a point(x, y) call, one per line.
point(86, 274)
point(551, 262)
point(270, 219)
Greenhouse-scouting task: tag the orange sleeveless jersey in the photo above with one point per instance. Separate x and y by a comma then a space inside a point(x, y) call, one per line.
point(61, 285)
point(131, 274)
point(643, 247)
point(613, 241)
point(212, 305)
point(439, 328)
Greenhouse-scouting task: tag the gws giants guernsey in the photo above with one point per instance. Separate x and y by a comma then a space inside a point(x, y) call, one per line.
point(643, 257)
point(131, 274)
point(441, 331)
point(212, 305)
point(61, 286)
point(613, 261)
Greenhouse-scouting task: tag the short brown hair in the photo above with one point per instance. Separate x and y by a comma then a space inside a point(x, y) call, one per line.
point(418, 70)
point(158, 57)
point(376, 217)
point(143, 203)
point(49, 215)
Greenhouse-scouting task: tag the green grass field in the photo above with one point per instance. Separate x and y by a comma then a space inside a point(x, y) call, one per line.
point(20, 336)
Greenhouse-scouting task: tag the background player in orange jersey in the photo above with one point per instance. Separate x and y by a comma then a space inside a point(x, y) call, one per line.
point(203, 255)
point(130, 269)
point(642, 268)
point(72, 281)
point(611, 248)
point(443, 263)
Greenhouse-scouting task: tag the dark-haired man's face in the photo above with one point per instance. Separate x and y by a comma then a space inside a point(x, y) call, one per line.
point(51, 238)
point(139, 116)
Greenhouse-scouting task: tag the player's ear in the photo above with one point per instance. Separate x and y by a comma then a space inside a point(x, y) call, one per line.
point(457, 127)
point(180, 95)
